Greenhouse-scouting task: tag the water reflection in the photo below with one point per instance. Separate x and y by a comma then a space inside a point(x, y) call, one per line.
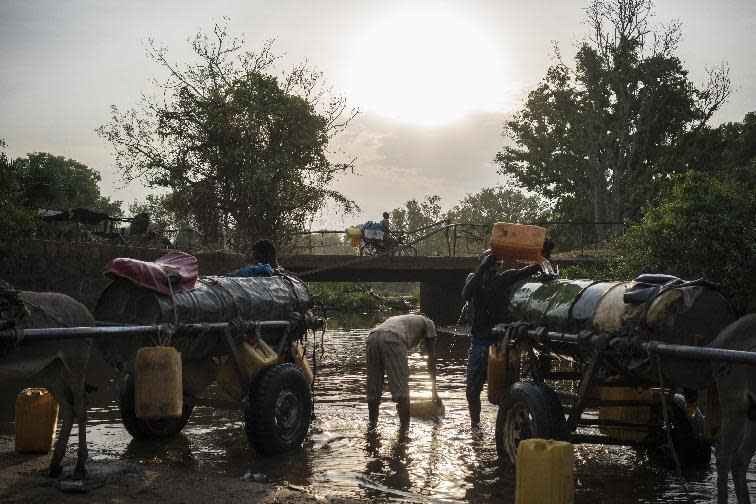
point(342, 457)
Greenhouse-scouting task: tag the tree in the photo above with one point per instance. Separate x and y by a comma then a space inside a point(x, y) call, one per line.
point(165, 213)
point(17, 218)
point(498, 204)
point(702, 218)
point(596, 135)
point(719, 150)
point(59, 183)
point(244, 151)
point(416, 215)
point(488, 206)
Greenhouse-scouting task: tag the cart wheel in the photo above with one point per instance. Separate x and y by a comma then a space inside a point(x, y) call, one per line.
point(370, 250)
point(280, 405)
point(687, 436)
point(147, 429)
point(528, 410)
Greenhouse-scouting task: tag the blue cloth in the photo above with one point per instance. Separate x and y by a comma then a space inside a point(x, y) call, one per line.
point(254, 270)
point(375, 226)
point(477, 370)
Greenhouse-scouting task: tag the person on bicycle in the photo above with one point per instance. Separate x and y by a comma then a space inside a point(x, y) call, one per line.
point(388, 241)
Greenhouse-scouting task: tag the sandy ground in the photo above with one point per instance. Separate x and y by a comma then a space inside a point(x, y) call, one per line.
point(23, 479)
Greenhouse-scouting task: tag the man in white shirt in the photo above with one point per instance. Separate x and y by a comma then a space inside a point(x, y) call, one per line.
point(387, 347)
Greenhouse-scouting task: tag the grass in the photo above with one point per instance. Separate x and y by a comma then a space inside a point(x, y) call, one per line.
point(365, 297)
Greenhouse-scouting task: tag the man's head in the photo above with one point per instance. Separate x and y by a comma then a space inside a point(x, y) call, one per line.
point(263, 251)
point(385, 215)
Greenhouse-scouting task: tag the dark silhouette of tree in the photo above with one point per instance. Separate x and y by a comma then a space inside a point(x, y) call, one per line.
point(596, 136)
point(244, 151)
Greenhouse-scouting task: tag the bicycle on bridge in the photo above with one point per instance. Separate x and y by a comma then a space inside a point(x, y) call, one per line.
point(370, 239)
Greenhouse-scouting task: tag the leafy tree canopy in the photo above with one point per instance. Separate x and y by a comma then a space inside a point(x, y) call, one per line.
point(703, 228)
point(597, 135)
point(498, 204)
point(45, 181)
point(244, 152)
point(17, 218)
point(59, 183)
point(718, 150)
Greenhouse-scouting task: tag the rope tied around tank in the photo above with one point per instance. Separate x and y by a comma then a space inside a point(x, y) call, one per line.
point(242, 330)
point(165, 334)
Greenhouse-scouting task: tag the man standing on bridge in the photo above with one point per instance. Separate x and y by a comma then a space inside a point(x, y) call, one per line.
point(489, 289)
point(387, 348)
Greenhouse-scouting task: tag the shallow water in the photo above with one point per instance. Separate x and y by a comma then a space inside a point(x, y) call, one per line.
point(443, 461)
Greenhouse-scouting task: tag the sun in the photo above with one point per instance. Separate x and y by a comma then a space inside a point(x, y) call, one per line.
point(426, 66)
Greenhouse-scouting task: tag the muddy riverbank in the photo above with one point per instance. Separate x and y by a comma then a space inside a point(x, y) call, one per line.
point(23, 479)
point(341, 458)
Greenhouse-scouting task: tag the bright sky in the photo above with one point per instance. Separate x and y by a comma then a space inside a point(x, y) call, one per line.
point(434, 80)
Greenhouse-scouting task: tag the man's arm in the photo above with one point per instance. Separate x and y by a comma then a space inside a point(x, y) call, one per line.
point(468, 291)
point(430, 347)
point(515, 275)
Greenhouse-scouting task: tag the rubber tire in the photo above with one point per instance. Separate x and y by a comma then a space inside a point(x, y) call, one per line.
point(260, 417)
point(687, 437)
point(544, 408)
point(147, 429)
point(409, 250)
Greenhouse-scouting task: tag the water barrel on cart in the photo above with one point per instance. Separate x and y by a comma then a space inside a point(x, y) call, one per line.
point(214, 299)
point(690, 315)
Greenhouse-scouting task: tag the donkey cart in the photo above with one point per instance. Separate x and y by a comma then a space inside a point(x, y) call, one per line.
point(246, 334)
point(572, 347)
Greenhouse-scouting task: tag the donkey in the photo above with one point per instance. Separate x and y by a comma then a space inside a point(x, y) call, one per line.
point(59, 365)
point(736, 385)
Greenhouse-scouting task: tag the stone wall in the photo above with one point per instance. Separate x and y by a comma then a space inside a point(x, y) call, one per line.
point(75, 268)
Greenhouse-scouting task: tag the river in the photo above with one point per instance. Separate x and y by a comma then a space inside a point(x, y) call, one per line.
point(443, 461)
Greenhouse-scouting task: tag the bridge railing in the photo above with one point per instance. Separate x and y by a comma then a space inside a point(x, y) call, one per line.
point(463, 238)
point(472, 238)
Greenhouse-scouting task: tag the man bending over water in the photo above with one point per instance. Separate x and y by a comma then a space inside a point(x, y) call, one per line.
point(387, 347)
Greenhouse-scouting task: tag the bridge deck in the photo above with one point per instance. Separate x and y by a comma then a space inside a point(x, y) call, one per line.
point(343, 268)
point(376, 268)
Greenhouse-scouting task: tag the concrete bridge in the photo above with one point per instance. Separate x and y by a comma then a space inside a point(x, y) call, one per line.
point(75, 269)
point(441, 278)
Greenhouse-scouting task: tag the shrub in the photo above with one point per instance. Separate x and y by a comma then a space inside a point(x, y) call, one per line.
point(704, 227)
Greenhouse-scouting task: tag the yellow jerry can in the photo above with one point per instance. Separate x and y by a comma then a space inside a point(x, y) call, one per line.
point(545, 472)
point(428, 409)
point(254, 358)
point(354, 232)
point(36, 420)
point(712, 415)
point(158, 385)
point(517, 242)
point(503, 371)
point(300, 360)
point(636, 414)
